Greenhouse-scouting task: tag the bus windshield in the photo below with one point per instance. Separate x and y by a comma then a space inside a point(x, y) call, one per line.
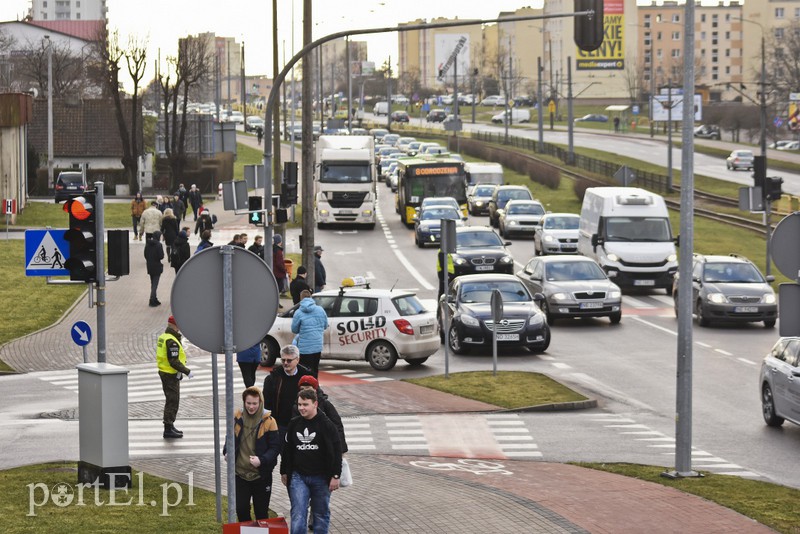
point(349, 173)
point(637, 229)
point(444, 185)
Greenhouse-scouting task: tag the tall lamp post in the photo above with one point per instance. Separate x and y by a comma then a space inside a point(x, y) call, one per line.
point(49, 111)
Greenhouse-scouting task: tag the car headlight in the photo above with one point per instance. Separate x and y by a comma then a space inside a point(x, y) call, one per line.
point(560, 296)
point(459, 261)
point(549, 239)
point(717, 298)
point(324, 213)
point(614, 294)
point(536, 319)
point(612, 257)
point(366, 213)
point(513, 223)
point(506, 260)
point(469, 320)
point(672, 257)
point(768, 298)
point(479, 203)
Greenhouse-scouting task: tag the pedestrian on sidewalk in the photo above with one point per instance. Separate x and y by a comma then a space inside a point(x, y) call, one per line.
point(205, 241)
point(169, 229)
point(324, 405)
point(256, 448)
point(257, 247)
point(311, 464)
point(195, 200)
point(138, 206)
point(299, 284)
point(243, 240)
point(151, 221)
point(309, 323)
point(234, 242)
point(180, 250)
point(260, 134)
point(204, 222)
point(319, 270)
point(178, 207)
point(153, 254)
point(279, 264)
point(248, 361)
point(282, 385)
point(171, 360)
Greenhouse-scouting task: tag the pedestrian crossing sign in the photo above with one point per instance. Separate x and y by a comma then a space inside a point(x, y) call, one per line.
point(46, 251)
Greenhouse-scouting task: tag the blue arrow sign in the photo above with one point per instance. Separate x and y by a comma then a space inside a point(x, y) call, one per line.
point(46, 251)
point(81, 333)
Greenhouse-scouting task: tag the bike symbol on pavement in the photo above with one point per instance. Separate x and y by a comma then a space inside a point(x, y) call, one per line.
point(478, 467)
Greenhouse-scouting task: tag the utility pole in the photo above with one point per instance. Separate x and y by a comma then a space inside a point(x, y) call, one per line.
point(389, 95)
point(228, 67)
point(540, 145)
point(50, 181)
point(570, 120)
point(669, 133)
point(307, 154)
point(276, 139)
point(652, 87)
point(349, 87)
point(242, 85)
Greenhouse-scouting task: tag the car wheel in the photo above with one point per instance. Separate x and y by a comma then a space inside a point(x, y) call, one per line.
point(455, 341)
point(768, 407)
point(615, 318)
point(702, 320)
point(381, 355)
point(769, 324)
point(270, 350)
point(546, 310)
point(417, 362)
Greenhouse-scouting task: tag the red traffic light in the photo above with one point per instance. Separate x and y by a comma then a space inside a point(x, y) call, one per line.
point(79, 208)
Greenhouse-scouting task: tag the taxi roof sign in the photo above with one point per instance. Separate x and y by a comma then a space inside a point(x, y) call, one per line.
point(355, 281)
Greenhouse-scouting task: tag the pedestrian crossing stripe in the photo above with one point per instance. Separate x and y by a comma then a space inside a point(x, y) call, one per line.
point(46, 251)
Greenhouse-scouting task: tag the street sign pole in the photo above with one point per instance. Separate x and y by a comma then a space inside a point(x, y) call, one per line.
point(497, 316)
point(227, 320)
point(215, 411)
point(101, 273)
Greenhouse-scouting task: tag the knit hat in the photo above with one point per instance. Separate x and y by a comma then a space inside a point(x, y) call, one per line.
point(309, 380)
point(302, 270)
point(171, 320)
point(277, 239)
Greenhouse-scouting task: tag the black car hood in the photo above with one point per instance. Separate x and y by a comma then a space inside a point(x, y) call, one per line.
point(511, 310)
point(476, 252)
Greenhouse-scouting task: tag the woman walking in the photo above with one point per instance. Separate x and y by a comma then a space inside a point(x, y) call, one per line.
point(169, 229)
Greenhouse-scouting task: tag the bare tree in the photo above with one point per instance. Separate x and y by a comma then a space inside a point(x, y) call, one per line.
point(782, 51)
point(192, 66)
point(68, 75)
point(634, 81)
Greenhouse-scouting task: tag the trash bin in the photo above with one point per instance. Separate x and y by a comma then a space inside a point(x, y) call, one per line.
point(289, 268)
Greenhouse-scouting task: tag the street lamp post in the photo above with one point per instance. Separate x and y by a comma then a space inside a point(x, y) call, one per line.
point(49, 111)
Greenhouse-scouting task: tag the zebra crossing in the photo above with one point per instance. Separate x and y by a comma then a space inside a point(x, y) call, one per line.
point(665, 445)
point(497, 436)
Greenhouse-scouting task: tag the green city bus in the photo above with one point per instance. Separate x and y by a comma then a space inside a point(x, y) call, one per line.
point(420, 178)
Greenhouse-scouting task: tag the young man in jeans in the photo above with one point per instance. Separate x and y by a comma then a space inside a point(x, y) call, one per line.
point(311, 463)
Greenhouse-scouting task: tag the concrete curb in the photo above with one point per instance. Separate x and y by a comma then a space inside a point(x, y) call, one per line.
point(557, 406)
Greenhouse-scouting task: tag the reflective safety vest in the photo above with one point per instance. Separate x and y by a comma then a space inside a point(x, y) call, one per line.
point(161, 353)
point(451, 268)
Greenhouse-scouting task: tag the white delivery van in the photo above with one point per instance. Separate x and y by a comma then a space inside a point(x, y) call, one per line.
point(381, 108)
point(517, 116)
point(626, 230)
point(483, 173)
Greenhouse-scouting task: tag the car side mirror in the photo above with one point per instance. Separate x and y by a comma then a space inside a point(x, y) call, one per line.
point(678, 240)
point(506, 243)
point(450, 298)
point(464, 218)
point(696, 279)
point(539, 298)
point(415, 219)
point(770, 278)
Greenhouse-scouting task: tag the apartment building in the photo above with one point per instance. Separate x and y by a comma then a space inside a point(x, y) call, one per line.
point(68, 10)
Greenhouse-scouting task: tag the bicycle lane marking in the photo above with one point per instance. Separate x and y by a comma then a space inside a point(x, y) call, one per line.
point(501, 436)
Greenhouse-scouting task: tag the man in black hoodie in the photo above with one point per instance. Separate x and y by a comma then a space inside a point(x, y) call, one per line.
point(180, 249)
point(153, 254)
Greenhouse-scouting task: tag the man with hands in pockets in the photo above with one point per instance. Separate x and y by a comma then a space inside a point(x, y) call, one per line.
point(171, 360)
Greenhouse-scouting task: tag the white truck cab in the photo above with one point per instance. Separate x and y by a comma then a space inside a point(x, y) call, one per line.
point(627, 231)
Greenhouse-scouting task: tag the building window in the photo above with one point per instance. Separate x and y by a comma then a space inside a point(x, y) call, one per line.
point(659, 53)
point(676, 18)
point(727, 52)
point(78, 3)
point(676, 36)
point(77, 16)
point(797, 12)
point(676, 52)
point(702, 51)
point(727, 70)
point(714, 24)
point(778, 12)
point(727, 36)
point(44, 4)
point(727, 17)
point(702, 36)
point(714, 41)
point(703, 17)
point(779, 33)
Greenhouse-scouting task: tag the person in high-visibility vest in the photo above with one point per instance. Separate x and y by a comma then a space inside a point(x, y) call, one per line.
point(171, 361)
point(451, 270)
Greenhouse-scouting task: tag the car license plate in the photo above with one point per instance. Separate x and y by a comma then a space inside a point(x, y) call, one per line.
point(507, 337)
point(644, 282)
point(345, 212)
point(484, 268)
point(745, 309)
point(426, 329)
point(590, 305)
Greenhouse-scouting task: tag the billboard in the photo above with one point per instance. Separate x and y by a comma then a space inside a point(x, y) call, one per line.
point(662, 103)
point(444, 45)
point(611, 54)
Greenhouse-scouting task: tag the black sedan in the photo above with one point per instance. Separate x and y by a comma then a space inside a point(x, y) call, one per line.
point(468, 303)
point(436, 115)
point(480, 250)
point(400, 116)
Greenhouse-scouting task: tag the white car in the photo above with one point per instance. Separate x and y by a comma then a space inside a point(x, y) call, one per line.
point(520, 217)
point(376, 325)
point(235, 116)
point(557, 234)
point(778, 383)
point(494, 100)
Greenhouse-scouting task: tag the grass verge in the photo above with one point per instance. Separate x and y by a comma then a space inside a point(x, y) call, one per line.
point(43, 214)
point(141, 509)
point(770, 504)
point(509, 389)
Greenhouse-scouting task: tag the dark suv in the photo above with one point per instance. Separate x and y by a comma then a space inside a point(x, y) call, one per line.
point(69, 184)
point(436, 115)
point(500, 198)
point(729, 289)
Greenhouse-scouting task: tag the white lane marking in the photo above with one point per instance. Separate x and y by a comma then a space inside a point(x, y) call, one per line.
point(410, 268)
point(559, 365)
point(636, 303)
point(725, 352)
point(648, 323)
point(745, 360)
point(704, 345)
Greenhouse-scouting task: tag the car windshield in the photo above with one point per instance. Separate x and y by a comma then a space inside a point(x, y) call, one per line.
point(481, 292)
point(436, 201)
point(743, 154)
point(742, 273)
point(440, 213)
point(414, 145)
point(514, 194)
point(345, 174)
point(484, 191)
point(638, 229)
point(478, 239)
point(562, 223)
point(408, 305)
point(525, 209)
point(573, 270)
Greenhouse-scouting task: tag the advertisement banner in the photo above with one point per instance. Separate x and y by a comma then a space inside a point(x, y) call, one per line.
point(611, 54)
point(367, 68)
point(444, 45)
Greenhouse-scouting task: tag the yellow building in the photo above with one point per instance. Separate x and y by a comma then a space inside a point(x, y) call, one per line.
point(771, 18)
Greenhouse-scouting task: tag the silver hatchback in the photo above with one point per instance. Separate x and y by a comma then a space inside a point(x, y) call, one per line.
point(779, 383)
point(740, 159)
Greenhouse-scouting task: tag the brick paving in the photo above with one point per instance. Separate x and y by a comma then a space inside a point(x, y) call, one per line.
point(390, 494)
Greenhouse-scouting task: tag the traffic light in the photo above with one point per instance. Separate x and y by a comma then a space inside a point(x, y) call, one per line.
point(589, 29)
point(255, 206)
point(289, 186)
point(82, 238)
point(772, 188)
point(759, 171)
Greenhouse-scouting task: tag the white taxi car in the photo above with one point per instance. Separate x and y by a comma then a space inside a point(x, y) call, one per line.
point(376, 325)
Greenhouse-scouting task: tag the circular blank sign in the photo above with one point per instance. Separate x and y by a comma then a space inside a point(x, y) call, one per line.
point(198, 305)
point(785, 246)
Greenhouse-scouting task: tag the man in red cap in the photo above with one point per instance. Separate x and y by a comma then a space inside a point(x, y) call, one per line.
point(171, 367)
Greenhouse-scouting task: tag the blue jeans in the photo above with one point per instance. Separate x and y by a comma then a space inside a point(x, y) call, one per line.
point(313, 487)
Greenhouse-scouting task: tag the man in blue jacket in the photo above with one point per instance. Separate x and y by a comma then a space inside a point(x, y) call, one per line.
point(309, 323)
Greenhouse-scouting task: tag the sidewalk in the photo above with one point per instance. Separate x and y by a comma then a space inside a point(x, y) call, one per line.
point(391, 493)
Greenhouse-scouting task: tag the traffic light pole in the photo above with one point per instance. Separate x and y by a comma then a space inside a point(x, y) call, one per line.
point(100, 303)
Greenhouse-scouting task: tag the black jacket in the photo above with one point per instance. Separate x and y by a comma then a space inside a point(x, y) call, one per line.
point(324, 459)
point(280, 393)
point(153, 254)
point(169, 229)
point(258, 250)
point(180, 251)
point(195, 199)
point(327, 407)
point(296, 287)
point(204, 222)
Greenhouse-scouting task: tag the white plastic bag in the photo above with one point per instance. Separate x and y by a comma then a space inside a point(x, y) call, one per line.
point(347, 477)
